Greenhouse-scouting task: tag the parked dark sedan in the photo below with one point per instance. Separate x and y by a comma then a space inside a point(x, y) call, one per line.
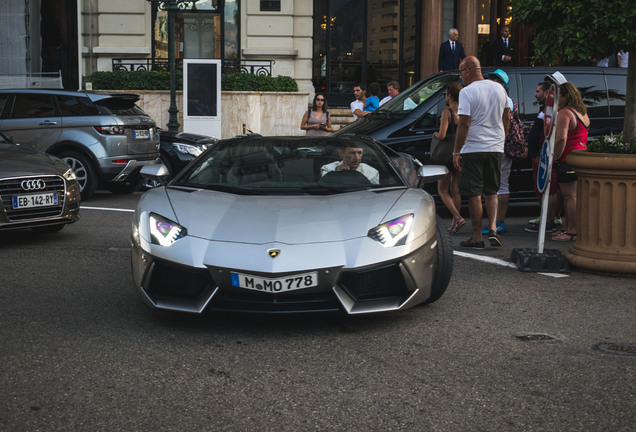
point(180, 148)
point(38, 190)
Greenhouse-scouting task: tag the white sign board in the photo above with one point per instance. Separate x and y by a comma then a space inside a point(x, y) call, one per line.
point(202, 97)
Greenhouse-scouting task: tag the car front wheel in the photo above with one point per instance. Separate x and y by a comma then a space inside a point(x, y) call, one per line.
point(84, 171)
point(443, 264)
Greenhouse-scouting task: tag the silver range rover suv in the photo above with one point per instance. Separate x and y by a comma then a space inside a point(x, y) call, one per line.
point(104, 137)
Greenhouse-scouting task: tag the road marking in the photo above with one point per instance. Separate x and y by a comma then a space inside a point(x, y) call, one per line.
point(502, 263)
point(106, 208)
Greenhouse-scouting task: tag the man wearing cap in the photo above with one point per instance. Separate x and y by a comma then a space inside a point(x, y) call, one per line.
point(503, 194)
point(484, 116)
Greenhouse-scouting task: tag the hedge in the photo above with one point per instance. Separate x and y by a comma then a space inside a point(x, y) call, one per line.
point(160, 80)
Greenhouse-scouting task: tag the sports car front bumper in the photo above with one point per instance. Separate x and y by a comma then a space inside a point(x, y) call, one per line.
point(376, 279)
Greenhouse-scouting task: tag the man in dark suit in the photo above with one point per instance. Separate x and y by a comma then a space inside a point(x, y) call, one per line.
point(451, 52)
point(505, 49)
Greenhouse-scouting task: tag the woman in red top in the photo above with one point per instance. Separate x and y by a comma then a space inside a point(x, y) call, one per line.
point(571, 134)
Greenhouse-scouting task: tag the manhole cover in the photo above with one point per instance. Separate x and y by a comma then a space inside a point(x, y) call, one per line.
point(617, 348)
point(535, 337)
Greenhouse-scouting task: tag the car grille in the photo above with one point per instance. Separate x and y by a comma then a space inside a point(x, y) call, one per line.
point(11, 187)
point(248, 301)
point(373, 284)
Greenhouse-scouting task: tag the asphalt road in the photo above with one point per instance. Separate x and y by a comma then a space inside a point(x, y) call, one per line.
point(503, 350)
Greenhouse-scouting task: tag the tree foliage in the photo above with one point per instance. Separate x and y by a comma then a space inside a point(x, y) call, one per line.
point(573, 30)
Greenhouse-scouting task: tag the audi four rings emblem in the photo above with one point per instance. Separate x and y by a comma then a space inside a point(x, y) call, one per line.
point(32, 185)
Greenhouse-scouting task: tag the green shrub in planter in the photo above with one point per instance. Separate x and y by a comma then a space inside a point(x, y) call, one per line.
point(160, 80)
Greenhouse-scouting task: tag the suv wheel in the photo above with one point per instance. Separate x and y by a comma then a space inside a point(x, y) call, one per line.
point(86, 176)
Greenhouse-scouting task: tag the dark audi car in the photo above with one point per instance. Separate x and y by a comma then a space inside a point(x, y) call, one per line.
point(180, 148)
point(38, 190)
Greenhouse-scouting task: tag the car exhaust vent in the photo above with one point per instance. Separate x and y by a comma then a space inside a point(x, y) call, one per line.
point(373, 284)
point(175, 282)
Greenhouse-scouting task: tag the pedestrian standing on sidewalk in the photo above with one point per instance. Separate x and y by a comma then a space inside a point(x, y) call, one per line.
point(316, 121)
point(536, 138)
point(570, 134)
point(484, 117)
point(357, 106)
point(503, 194)
point(448, 188)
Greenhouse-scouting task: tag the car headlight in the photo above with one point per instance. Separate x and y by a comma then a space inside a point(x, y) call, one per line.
point(69, 175)
point(188, 149)
point(393, 232)
point(165, 232)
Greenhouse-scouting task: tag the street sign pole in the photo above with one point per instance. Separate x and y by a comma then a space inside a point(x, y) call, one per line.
point(544, 173)
point(529, 259)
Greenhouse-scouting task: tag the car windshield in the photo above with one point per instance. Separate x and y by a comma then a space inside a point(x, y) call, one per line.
point(410, 98)
point(291, 165)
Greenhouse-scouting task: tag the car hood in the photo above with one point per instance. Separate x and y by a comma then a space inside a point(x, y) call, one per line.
point(18, 161)
point(253, 219)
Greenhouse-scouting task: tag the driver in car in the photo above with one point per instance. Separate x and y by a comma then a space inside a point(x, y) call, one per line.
point(352, 160)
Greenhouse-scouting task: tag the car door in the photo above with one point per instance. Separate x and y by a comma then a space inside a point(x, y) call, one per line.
point(32, 120)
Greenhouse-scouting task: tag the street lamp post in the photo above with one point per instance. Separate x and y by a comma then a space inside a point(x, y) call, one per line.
point(172, 6)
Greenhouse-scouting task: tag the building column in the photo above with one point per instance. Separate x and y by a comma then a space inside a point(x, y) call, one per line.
point(432, 16)
point(467, 11)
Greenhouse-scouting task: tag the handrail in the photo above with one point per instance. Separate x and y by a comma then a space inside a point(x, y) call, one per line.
point(256, 67)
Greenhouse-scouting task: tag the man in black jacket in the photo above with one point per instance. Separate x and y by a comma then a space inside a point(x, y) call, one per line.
point(505, 49)
point(451, 52)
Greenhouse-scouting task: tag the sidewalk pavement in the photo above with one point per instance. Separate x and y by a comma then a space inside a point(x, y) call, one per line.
point(515, 236)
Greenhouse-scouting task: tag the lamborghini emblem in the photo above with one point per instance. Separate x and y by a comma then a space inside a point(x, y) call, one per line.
point(273, 253)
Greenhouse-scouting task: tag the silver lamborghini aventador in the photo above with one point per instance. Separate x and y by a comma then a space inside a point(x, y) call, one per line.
point(291, 224)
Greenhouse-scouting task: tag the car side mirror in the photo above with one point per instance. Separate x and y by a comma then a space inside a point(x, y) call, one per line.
point(155, 172)
point(432, 173)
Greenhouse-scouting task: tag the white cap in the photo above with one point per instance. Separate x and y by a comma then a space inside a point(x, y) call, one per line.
point(557, 78)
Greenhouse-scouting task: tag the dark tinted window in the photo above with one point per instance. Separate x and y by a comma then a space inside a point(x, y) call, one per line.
point(120, 106)
point(3, 102)
point(33, 106)
point(77, 106)
point(616, 90)
point(592, 88)
point(527, 104)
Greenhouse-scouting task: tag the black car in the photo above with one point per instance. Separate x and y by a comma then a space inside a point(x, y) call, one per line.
point(407, 122)
point(37, 190)
point(180, 148)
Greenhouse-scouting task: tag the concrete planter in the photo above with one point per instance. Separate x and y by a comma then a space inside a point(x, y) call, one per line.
point(606, 213)
point(266, 113)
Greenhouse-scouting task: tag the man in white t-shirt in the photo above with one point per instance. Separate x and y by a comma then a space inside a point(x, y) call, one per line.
point(352, 160)
point(357, 106)
point(484, 117)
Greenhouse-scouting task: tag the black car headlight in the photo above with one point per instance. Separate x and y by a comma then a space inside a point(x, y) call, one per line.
point(165, 232)
point(187, 149)
point(393, 232)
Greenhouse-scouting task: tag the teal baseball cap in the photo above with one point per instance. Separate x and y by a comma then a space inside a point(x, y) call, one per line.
point(500, 75)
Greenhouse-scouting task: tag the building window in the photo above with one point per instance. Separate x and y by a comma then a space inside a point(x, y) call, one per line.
point(270, 5)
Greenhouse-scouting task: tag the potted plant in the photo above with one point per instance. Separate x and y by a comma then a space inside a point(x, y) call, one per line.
point(606, 206)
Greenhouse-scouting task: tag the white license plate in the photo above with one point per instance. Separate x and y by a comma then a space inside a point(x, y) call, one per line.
point(141, 133)
point(275, 285)
point(39, 200)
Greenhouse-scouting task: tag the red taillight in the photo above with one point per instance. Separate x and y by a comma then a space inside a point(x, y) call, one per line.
point(120, 161)
point(110, 130)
